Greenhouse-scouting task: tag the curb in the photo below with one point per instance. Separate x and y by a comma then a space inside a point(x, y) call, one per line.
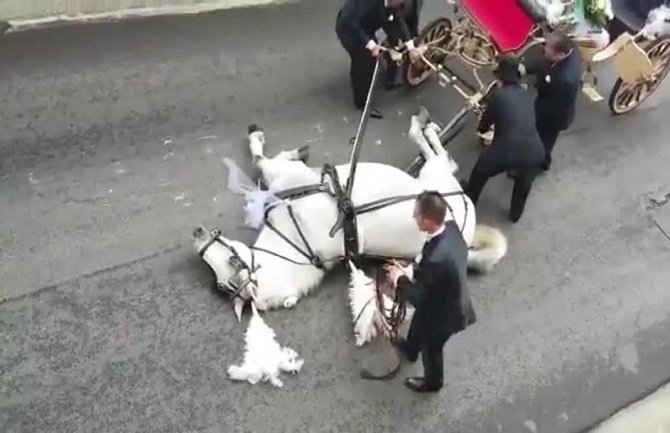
point(10, 26)
point(649, 415)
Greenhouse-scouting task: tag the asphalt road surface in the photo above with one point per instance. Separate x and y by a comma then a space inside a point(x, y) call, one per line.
point(111, 139)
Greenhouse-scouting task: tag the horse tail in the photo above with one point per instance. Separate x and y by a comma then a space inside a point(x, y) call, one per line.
point(489, 246)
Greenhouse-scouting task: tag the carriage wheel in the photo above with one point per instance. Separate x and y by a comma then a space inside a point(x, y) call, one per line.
point(626, 97)
point(477, 51)
point(437, 30)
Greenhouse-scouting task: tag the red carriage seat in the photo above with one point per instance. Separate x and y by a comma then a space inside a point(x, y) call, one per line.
point(505, 21)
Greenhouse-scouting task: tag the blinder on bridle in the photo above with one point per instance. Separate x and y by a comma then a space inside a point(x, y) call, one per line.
point(236, 283)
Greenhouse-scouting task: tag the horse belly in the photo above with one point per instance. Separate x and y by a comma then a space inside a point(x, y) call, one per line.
point(391, 230)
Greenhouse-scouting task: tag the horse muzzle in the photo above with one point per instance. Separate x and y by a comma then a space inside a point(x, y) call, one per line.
point(245, 291)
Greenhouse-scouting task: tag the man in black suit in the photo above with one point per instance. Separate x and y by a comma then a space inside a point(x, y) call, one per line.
point(559, 76)
point(356, 25)
point(516, 147)
point(438, 292)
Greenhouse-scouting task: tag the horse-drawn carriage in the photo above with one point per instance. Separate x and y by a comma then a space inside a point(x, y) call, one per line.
point(310, 220)
point(482, 30)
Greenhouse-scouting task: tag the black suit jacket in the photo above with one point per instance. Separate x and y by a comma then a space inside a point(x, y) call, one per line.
point(510, 110)
point(557, 95)
point(358, 20)
point(439, 291)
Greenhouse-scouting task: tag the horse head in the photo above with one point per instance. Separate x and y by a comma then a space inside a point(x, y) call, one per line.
point(233, 264)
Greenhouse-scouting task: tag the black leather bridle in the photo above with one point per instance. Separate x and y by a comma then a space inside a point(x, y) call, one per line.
point(235, 284)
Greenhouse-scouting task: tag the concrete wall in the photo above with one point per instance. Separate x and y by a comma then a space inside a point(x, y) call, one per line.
point(27, 12)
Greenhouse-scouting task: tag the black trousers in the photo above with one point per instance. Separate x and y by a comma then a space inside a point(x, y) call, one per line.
point(548, 132)
point(361, 69)
point(492, 163)
point(430, 347)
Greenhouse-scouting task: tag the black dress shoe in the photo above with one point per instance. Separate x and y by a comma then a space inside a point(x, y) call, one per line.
point(419, 384)
point(374, 113)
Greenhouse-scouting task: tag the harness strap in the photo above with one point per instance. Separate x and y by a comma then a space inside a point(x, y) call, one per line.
point(313, 257)
point(389, 201)
point(302, 191)
point(272, 253)
point(347, 214)
point(309, 255)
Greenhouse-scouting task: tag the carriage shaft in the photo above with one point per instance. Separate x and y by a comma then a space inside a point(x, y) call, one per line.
point(361, 129)
point(453, 123)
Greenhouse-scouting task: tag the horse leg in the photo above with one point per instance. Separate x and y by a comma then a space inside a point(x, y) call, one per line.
point(257, 146)
point(297, 154)
point(415, 133)
point(271, 168)
point(432, 135)
point(431, 132)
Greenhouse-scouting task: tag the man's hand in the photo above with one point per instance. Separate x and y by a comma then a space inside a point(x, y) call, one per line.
point(374, 48)
point(522, 69)
point(414, 56)
point(376, 51)
point(395, 271)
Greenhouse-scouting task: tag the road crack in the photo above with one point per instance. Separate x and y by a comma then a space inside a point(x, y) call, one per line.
point(659, 203)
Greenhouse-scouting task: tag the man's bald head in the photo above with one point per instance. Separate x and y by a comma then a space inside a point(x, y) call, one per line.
point(557, 47)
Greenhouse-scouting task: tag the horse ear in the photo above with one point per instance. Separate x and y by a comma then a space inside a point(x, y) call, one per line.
point(238, 305)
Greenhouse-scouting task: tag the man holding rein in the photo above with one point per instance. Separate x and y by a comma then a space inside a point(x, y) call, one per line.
point(356, 25)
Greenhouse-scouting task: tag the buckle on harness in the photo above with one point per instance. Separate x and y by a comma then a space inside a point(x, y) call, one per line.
point(316, 261)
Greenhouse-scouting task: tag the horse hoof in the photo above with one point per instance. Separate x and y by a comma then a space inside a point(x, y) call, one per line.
point(253, 128)
point(303, 154)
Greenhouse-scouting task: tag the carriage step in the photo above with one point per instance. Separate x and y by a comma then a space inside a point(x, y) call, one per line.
point(591, 92)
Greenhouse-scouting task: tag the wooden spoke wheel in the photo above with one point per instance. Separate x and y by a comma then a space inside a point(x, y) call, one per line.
point(437, 34)
point(626, 97)
point(476, 50)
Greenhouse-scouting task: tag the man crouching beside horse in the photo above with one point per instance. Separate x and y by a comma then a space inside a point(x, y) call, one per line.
point(299, 241)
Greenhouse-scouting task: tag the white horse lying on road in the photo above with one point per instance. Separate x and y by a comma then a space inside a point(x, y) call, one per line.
point(294, 249)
